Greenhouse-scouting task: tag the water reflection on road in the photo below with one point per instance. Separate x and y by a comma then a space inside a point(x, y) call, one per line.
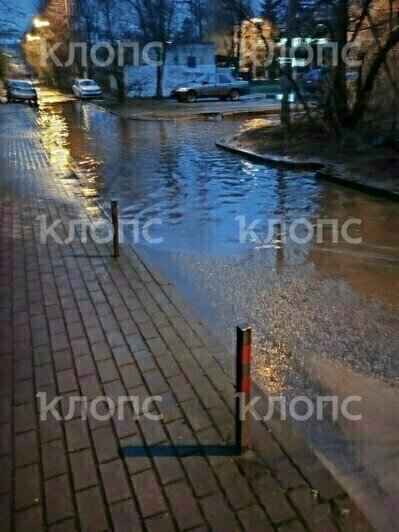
point(333, 301)
point(337, 299)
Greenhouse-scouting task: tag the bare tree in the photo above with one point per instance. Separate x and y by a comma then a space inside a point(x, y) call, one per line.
point(9, 16)
point(156, 20)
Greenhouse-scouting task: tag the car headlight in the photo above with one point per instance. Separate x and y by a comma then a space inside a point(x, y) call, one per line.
point(182, 89)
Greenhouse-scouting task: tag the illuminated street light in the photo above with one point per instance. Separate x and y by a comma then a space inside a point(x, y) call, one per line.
point(37, 23)
point(30, 37)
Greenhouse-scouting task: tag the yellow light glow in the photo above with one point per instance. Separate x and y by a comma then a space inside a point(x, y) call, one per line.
point(30, 37)
point(37, 23)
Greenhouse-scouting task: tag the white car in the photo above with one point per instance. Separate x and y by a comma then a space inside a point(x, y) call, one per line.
point(86, 88)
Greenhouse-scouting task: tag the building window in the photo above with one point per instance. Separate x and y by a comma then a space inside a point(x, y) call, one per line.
point(191, 61)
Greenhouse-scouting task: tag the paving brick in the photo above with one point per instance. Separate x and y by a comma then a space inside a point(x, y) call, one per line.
point(122, 355)
point(136, 343)
point(292, 526)
point(23, 369)
point(6, 408)
point(90, 386)
point(42, 355)
point(317, 516)
point(139, 463)
point(44, 375)
point(5, 513)
point(253, 519)
point(196, 415)
point(5, 475)
point(169, 408)
point(26, 450)
point(29, 519)
point(145, 360)
point(85, 365)
point(107, 370)
point(180, 436)
point(200, 475)
point(287, 475)
point(63, 360)
point(66, 381)
point(59, 342)
point(115, 338)
point(124, 421)
point(128, 327)
point(95, 335)
point(184, 507)
point(273, 499)
point(153, 431)
point(169, 469)
point(53, 455)
point(83, 469)
point(148, 493)
point(76, 434)
point(168, 365)
point(131, 376)
point(50, 429)
point(24, 417)
point(92, 516)
point(105, 444)
point(156, 382)
point(217, 513)
point(114, 481)
point(115, 390)
point(80, 347)
point(162, 522)
point(124, 514)
point(27, 487)
point(58, 499)
point(235, 485)
point(181, 387)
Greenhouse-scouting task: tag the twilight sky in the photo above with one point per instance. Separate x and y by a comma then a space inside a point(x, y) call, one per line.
point(27, 7)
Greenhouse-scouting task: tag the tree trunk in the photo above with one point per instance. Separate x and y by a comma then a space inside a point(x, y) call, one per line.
point(288, 74)
point(161, 70)
point(366, 90)
point(340, 93)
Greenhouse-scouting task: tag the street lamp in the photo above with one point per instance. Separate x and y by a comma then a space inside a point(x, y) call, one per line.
point(37, 23)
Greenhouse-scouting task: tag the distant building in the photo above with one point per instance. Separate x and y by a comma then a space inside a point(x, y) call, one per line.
point(184, 62)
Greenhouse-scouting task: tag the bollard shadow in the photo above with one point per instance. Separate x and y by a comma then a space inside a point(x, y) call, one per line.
point(139, 451)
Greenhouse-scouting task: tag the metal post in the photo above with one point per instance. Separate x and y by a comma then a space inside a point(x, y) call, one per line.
point(114, 213)
point(243, 386)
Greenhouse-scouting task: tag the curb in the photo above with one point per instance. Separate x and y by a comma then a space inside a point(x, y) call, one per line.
point(199, 116)
point(322, 171)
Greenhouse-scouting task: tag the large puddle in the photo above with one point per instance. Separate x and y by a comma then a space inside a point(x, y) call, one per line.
point(325, 315)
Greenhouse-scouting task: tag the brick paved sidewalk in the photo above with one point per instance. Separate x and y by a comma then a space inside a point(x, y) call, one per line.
point(76, 322)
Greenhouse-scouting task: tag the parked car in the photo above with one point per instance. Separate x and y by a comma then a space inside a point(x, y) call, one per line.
point(220, 86)
point(86, 88)
point(20, 90)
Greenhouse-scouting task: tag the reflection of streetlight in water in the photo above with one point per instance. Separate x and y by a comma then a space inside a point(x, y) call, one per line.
point(54, 132)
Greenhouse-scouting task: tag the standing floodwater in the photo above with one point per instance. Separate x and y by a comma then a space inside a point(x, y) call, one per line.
point(325, 315)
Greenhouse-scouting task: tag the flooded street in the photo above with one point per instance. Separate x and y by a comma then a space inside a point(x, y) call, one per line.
point(325, 315)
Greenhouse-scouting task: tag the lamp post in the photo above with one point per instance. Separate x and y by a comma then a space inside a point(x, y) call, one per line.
point(38, 23)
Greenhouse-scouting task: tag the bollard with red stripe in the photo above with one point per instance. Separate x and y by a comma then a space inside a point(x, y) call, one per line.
point(243, 387)
point(115, 224)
